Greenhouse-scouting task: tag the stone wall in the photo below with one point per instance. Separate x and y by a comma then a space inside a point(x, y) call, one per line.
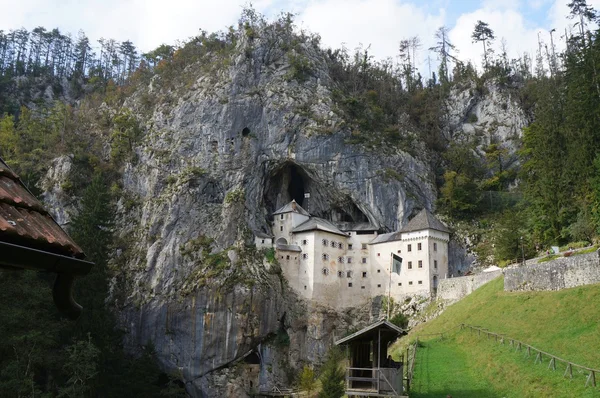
point(454, 289)
point(561, 273)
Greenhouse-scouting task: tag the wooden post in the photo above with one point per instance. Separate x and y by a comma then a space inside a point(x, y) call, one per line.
point(378, 357)
point(528, 353)
point(591, 380)
point(552, 364)
point(569, 370)
point(538, 357)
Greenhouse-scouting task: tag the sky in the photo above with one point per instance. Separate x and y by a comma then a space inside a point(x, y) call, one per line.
point(380, 24)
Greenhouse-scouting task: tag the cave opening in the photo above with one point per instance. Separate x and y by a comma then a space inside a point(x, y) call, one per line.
point(287, 182)
point(245, 132)
point(296, 186)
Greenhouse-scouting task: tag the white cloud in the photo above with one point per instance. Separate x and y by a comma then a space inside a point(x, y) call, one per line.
point(507, 24)
point(379, 23)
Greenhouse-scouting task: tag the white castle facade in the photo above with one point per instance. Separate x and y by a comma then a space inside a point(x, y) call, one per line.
point(344, 264)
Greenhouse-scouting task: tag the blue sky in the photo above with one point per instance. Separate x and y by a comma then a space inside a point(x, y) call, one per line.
point(379, 23)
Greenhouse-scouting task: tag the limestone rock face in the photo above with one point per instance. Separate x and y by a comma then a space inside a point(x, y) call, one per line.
point(220, 152)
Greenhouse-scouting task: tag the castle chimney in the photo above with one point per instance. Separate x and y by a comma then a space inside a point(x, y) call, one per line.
point(294, 207)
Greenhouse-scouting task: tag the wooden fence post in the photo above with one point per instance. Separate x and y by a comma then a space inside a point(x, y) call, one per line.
point(591, 379)
point(528, 352)
point(538, 356)
point(569, 370)
point(552, 364)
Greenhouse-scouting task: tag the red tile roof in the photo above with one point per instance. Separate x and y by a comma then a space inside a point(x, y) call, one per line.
point(25, 222)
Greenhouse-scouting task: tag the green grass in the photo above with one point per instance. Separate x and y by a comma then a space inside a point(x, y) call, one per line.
point(564, 323)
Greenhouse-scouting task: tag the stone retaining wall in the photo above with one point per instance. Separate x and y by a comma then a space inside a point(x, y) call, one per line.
point(454, 289)
point(562, 273)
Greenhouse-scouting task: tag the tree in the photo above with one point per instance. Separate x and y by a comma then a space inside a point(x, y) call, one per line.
point(483, 33)
point(307, 380)
point(442, 47)
point(332, 376)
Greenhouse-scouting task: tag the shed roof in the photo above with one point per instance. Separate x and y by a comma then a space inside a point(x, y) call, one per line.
point(315, 223)
point(292, 207)
point(31, 239)
point(25, 222)
point(368, 333)
point(424, 220)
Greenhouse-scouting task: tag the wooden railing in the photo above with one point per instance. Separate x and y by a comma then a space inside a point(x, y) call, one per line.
point(539, 354)
point(379, 382)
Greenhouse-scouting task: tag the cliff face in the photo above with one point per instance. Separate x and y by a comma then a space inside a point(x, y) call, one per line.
point(219, 153)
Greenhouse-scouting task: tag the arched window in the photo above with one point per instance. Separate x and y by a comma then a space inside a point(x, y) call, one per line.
point(305, 256)
point(341, 245)
point(333, 244)
point(304, 241)
point(325, 271)
point(325, 256)
point(281, 241)
point(325, 242)
point(348, 274)
point(340, 274)
point(341, 260)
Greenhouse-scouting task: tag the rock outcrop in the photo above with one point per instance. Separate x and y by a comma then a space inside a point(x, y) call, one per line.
point(221, 150)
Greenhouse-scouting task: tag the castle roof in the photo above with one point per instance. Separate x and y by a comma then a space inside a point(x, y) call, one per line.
point(424, 220)
point(355, 226)
point(315, 223)
point(389, 237)
point(292, 207)
point(289, 248)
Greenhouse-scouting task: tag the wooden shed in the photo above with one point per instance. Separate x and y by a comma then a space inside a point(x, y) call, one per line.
point(369, 372)
point(31, 239)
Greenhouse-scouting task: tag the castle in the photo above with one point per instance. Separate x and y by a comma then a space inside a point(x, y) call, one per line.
point(345, 264)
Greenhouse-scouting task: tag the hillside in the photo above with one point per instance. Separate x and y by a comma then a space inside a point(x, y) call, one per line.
point(563, 323)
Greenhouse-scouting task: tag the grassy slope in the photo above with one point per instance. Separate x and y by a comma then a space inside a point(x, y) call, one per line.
point(565, 323)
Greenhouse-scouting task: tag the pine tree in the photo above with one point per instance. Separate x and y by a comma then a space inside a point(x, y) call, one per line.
point(483, 33)
point(332, 376)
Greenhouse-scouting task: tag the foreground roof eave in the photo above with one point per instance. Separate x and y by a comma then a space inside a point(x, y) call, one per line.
point(67, 268)
point(369, 328)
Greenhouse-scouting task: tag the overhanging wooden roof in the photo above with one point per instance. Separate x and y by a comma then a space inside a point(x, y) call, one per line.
point(370, 332)
point(31, 239)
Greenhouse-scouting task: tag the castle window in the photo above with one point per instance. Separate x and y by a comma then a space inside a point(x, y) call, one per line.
point(378, 254)
point(349, 260)
point(420, 263)
point(379, 271)
point(434, 246)
point(399, 251)
point(350, 284)
point(304, 287)
point(364, 260)
point(304, 242)
point(305, 256)
point(341, 245)
point(348, 274)
point(340, 274)
point(435, 264)
point(409, 248)
point(362, 287)
point(420, 282)
point(333, 244)
point(325, 256)
point(349, 246)
point(282, 216)
point(399, 283)
point(364, 274)
point(325, 271)
point(325, 242)
point(364, 246)
point(262, 241)
point(410, 282)
point(287, 257)
point(378, 285)
point(341, 260)
point(281, 228)
point(410, 265)
point(419, 246)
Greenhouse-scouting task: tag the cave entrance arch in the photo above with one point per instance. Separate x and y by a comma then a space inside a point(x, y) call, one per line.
point(286, 183)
